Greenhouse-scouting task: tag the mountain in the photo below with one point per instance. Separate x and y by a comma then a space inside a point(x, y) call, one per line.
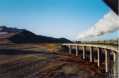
point(24, 36)
point(9, 29)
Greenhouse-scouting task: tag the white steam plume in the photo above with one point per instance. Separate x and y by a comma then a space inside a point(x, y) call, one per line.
point(109, 23)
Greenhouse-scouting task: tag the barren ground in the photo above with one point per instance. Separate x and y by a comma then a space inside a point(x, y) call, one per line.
point(43, 61)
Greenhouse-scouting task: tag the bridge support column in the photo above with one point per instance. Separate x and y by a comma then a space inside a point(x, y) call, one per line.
point(76, 50)
point(98, 57)
point(69, 49)
point(114, 57)
point(106, 60)
point(115, 65)
point(91, 54)
point(83, 52)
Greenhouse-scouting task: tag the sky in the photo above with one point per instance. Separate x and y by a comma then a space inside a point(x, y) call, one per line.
point(56, 18)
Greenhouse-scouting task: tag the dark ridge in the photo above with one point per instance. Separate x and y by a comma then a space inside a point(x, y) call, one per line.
point(25, 36)
point(9, 29)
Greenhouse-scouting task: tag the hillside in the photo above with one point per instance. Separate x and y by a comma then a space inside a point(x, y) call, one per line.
point(24, 36)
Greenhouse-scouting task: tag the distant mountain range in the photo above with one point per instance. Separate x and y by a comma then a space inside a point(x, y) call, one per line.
point(15, 35)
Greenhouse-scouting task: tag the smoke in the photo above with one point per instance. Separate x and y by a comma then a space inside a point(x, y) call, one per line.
point(108, 24)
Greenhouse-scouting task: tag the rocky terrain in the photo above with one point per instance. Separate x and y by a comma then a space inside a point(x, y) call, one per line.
point(44, 61)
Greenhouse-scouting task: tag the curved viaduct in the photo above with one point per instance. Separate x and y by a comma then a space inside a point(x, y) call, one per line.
point(108, 51)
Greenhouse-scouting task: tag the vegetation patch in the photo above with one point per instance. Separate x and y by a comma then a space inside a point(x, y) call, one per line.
point(34, 58)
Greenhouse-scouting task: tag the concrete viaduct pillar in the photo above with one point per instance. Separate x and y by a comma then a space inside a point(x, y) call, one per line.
point(83, 52)
point(70, 49)
point(106, 60)
point(98, 57)
point(115, 65)
point(76, 50)
point(91, 54)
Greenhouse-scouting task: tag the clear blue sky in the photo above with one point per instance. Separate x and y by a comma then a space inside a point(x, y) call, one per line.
point(57, 18)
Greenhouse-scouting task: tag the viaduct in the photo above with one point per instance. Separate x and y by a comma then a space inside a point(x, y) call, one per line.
point(108, 51)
